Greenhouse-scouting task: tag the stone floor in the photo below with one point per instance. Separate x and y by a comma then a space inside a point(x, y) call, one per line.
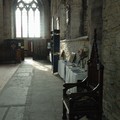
point(30, 92)
point(6, 72)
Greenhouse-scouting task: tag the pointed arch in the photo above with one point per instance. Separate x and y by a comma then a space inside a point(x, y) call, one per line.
point(27, 23)
point(44, 8)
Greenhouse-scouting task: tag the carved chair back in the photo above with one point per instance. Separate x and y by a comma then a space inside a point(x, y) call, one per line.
point(95, 68)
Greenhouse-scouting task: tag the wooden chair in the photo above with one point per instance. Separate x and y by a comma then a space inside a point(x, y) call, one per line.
point(87, 101)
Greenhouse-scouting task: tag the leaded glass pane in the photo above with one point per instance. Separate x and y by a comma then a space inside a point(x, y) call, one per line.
point(21, 5)
point(24, 21)
point(27, 1)
point(37, 23)
point(34, 5)
point(36, 1)
point(18, 22)
point(31, 23)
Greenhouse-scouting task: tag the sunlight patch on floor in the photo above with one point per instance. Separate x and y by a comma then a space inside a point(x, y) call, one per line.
point(37, 65)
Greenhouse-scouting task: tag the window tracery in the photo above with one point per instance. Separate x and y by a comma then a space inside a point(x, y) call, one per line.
point(27, 18)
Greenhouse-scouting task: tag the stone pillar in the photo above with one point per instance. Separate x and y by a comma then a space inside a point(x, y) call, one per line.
point(46, 21)
point(7, 19)
point(53, 13)
point(62, 21)
point(1, 20)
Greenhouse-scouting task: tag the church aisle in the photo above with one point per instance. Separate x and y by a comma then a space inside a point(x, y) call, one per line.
point(44, 101)
point(33, 93)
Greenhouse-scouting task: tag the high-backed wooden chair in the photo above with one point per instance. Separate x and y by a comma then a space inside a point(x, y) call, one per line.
point(87, 101)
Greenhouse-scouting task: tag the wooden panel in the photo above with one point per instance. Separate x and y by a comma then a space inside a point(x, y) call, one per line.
point(40, 49)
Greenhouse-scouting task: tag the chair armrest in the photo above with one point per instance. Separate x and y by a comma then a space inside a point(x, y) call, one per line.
point(81, 84)
point(69, 85)
point(78, 84)
point(78, 95)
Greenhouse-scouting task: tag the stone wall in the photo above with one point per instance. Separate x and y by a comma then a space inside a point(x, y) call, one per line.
point(82, 16)
point(74, 19)
point(74, 45)
point(104, 15)
point(111, 58)
point(7, 19)
point(95, 18)
point(69, 13)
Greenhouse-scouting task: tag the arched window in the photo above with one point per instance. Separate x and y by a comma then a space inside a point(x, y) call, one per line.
point(27, 19)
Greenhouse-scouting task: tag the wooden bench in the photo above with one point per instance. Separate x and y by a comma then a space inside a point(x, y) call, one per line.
point(87, 101)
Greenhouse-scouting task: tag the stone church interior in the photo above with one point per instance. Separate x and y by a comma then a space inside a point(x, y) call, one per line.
point(59, 60)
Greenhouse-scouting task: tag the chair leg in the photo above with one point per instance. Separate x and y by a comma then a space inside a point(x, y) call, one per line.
point(64, 117)
point(99, 116)
point(70, 117)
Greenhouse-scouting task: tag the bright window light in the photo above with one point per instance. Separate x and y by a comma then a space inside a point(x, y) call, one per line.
point(24, 21)
point(27, 1)
point(31, 23)
point(27, 17)
point(18, 22)
point(37, 23)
